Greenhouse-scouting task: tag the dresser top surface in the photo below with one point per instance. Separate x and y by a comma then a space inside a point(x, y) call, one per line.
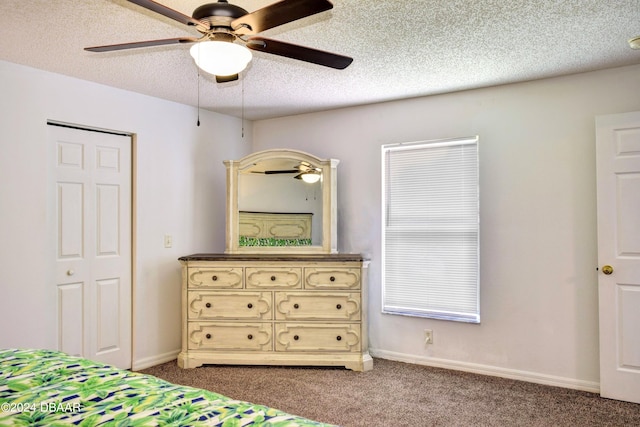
point(273, 257)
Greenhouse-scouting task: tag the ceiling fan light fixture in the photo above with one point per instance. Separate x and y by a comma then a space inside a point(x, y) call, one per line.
point(220, 58)
point(634, 43)
point(310, 177)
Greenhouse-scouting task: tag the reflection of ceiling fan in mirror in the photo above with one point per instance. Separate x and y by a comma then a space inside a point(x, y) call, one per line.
point(305, 171)
point(222, 24)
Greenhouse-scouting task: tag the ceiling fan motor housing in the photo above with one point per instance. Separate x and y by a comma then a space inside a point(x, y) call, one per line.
point(218, 14)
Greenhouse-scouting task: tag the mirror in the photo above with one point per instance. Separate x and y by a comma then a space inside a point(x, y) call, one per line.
point(281, 201)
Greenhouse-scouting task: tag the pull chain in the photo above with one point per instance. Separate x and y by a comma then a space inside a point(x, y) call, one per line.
point(198, 84)
point(242, 85)
point(198, 95)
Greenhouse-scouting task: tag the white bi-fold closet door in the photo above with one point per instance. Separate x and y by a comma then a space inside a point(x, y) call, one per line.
point(92, 229)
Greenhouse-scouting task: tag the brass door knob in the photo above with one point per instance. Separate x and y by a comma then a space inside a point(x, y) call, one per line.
point(607, 269)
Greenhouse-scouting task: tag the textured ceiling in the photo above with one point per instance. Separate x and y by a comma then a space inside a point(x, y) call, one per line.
point(401, 49)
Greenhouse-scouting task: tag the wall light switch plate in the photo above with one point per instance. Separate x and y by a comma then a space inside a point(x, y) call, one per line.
point(168, 241)
point(428, 336)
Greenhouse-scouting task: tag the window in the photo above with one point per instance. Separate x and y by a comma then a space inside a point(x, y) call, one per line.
point(430, 234)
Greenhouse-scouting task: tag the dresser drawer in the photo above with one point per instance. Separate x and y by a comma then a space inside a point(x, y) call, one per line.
point(273, 277)
point(218, 277)
point(229, 305)
point(332, 278)
point(317, 337)
point(230, 336)
point(317, 306)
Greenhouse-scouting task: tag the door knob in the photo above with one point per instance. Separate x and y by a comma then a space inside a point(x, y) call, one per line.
point(607, 269)
point(70, 272)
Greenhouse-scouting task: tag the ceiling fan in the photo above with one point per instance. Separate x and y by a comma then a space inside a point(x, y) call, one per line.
point(221, 24)
point(305, 171)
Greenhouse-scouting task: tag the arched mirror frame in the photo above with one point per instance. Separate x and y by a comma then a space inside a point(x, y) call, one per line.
point(328, 169)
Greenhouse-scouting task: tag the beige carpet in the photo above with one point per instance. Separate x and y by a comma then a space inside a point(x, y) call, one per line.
point(401, 394)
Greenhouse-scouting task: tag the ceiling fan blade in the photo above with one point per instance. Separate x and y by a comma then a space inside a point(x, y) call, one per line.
point(170, 13)
point(301, 53)
point(226, 79)
point(133, 45)
point(281, 171)
point(277, 14)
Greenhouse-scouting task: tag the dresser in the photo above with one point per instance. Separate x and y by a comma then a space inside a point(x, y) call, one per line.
point(271, 309)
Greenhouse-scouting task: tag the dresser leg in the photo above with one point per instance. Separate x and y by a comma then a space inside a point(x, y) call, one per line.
point(363, 365)
point(185, 362)
point(367, 362)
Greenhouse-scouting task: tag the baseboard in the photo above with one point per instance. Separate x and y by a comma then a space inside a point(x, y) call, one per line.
point(148, 362)
point(532, 377)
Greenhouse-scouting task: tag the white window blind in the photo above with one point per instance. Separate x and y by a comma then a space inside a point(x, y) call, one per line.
point(431, 229)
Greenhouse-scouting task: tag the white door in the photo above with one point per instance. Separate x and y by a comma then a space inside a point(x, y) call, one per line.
point(618, 181)
point(92, 230)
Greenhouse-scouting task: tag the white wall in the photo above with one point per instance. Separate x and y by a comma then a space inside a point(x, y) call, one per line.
point(539, 303)
point(180, 190)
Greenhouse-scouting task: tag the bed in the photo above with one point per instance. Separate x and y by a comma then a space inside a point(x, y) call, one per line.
point(50, 388)
point(274, 229)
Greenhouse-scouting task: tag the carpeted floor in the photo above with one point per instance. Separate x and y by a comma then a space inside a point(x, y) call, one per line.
point(400, 394)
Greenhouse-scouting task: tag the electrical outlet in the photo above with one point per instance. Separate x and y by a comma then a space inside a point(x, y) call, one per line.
point(428, 336)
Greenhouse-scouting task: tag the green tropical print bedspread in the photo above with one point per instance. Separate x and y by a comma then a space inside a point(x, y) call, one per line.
point(272, 241)
point(50, 388)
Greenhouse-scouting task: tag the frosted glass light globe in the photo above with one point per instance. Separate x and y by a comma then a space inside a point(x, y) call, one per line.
point(310, 177)
point(220, 58)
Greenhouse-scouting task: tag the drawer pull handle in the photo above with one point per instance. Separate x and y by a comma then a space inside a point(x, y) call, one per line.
point(296, 338)
point(273, 278)
point(339, 306)
point(214, 278)
point(249, 305)
point(250, 336)
point(339, 338)
point(208, 336)
point(333, 279)
point(208, 305)
point(296, 306)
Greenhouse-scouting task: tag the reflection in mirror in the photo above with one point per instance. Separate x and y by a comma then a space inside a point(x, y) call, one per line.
point(278, 209)
point(281, 201)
